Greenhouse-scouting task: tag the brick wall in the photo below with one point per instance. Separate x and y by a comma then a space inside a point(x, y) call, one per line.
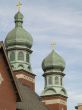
point(55, 102)
point(27, 79)
point(7, 94)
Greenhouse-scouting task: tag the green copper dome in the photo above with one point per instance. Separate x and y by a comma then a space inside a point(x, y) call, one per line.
point(19, 35)
point(53, 61)
point(19, 17)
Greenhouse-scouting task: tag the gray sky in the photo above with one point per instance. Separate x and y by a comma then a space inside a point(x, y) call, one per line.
point(47, 20)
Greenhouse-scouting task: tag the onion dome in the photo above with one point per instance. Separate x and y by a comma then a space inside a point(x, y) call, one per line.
point(53, 61)
point(19, 36)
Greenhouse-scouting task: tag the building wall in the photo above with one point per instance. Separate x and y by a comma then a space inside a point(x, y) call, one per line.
point(56, 107)
point(27, 79)
point(7, 94)
point(55, 102)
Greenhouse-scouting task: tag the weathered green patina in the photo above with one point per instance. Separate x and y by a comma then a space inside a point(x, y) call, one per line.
point(19, 41)
point(53, 66)
point(53, 61)
point(19, 35)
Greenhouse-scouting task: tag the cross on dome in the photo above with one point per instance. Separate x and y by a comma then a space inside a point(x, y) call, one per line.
point(53, 44)
point(19, 5)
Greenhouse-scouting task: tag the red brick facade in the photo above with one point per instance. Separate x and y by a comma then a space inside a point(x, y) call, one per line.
point(56, 107)
point(55, 102)
point(27, 79)
point(7, 93)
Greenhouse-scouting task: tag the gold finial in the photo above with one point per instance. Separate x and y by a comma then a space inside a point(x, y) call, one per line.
point(53, 44)
point(19, 5)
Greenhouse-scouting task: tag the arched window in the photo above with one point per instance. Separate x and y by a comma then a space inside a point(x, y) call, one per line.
point(12, 56)
point(50, 80)
point(20, 66)
point(27, 57)
point(56, 80)
point(21, 56)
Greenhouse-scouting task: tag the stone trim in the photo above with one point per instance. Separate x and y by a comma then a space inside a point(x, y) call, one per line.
point(22, 76)
point(55, 101)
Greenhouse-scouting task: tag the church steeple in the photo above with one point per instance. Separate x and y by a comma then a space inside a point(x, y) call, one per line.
point(19, 41)
point(54, 92)
point(18, 44)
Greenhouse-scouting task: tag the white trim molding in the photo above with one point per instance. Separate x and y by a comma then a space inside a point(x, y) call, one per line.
point(22, 76)
point(55, 101)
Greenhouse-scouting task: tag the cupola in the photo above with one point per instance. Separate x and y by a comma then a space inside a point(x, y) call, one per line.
point(18, 44)
point(53, 66)
point(19, 36)
point(53, 62)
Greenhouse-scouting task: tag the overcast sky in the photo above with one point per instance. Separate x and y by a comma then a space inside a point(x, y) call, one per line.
point(47, 20)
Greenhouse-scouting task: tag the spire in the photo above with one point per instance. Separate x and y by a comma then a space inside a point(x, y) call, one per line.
point(19, 16)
